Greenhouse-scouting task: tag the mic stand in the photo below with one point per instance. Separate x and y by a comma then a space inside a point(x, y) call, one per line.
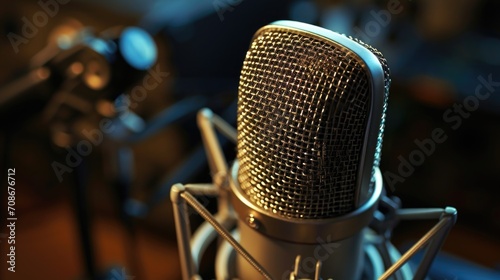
point(224, 218)
point(36, 86)
point(434, 238)
point(383, 223)
point(84, 220)
point(122, 183)
point(191, 249)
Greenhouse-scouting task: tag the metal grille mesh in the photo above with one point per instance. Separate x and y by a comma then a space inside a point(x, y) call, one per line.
point(302, 114)
point(387, 85)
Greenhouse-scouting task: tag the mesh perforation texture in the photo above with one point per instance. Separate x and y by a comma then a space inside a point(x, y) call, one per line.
point(302, 114)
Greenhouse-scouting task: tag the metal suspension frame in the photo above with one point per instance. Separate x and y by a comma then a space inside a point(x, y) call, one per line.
point(191, 248)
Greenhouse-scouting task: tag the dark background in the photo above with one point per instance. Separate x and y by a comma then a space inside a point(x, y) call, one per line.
point(436, 50)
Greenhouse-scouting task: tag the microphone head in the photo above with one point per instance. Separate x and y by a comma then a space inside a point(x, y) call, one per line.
point(311, 111)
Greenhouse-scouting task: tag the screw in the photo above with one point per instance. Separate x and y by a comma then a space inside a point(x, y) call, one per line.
point(252, 222)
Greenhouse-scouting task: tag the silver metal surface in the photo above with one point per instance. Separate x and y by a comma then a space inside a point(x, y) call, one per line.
point(310, 120)
point(304, 230)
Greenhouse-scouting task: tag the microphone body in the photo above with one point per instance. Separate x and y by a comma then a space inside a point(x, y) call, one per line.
point(338, 244)
point(341, 259)
point(311, 106)
point(305, 191)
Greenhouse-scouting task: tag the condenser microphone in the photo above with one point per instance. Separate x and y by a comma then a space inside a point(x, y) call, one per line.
point(311, 110)
point(304, 197)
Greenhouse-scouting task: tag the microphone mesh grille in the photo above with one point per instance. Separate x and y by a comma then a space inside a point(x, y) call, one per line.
point(302, 113)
